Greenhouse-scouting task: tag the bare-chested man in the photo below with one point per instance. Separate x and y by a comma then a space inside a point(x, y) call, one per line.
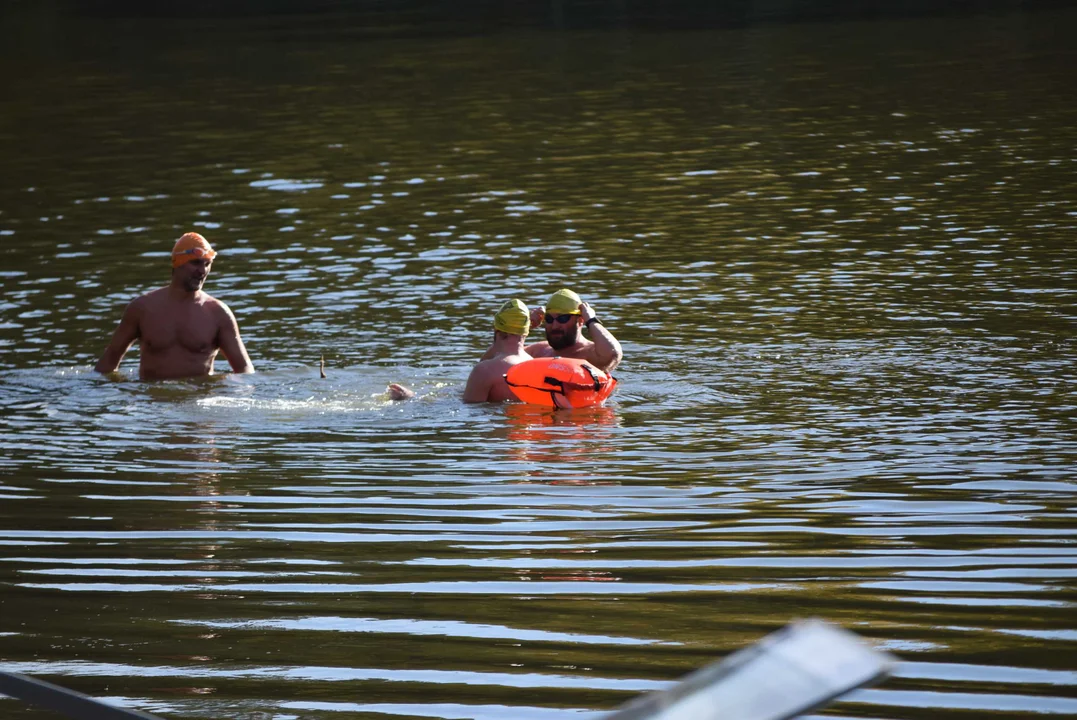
point(486, 383)
point(179, 327)
point(565, 315)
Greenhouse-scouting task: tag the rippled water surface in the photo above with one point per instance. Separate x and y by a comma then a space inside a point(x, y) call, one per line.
point(840, 257)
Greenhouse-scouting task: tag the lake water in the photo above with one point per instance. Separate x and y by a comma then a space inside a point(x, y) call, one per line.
point(840, 257)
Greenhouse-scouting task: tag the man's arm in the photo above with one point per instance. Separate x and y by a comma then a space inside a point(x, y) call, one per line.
point(478, 384)
point(231, 344)
point(125, 334)
point(607, 350)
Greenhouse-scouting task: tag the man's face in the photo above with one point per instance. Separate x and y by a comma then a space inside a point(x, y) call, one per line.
point(562, 331)
point(193, 273)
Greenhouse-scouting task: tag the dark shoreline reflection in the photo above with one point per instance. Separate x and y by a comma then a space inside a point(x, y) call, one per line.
point(417, 16)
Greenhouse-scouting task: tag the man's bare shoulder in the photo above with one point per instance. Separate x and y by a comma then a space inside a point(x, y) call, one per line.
point(148, 302)
point(217, 307)
point(540, 349)
point(151, 297)
point(495, 367)
point(487, 380)
point(489, 367)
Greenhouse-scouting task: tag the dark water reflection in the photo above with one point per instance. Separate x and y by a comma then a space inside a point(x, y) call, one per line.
point(839, 257)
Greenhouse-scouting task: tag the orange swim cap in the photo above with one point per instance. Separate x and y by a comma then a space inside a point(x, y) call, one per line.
point(191, 246)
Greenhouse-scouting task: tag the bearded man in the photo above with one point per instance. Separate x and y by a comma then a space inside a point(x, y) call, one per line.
point(564, 318)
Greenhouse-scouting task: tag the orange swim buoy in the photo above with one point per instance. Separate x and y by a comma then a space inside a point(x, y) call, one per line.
point(559, 382)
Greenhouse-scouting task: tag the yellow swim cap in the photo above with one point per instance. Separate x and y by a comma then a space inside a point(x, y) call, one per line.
point(513, 318)
point(564, 302)
point(189, 247)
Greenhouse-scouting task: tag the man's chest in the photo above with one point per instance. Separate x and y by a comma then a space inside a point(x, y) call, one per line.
point(192, 329)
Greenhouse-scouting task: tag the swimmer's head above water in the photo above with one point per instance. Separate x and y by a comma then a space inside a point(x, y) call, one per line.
point(192, 257)
point(513, 318)
point(191, 246)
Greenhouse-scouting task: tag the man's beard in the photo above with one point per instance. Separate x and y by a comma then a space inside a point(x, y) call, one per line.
point(193, 284)
point(570, 337)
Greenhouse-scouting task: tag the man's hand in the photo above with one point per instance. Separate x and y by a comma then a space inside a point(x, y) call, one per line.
point(399, 392)
point(586, 312)
point(538, 316)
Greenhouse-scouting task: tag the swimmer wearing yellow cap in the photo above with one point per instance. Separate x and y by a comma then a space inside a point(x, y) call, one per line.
point(486, 383)
point(179, 328)
point(564, 318)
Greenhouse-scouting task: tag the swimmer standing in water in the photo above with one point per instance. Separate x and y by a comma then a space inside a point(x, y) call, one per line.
point(564, 318)
point(179, 328)
point(486, 383)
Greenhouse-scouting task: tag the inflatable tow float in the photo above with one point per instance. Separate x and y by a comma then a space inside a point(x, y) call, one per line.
point(560, 382)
